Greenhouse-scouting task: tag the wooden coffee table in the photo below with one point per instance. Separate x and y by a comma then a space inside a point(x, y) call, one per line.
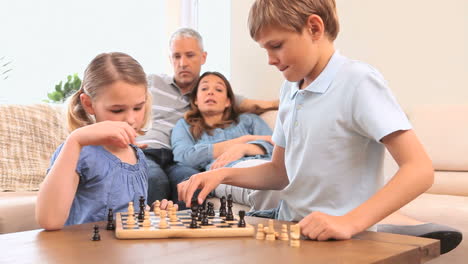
point(73, 245)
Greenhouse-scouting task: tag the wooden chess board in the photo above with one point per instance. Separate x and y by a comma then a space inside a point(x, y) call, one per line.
point(217, 227)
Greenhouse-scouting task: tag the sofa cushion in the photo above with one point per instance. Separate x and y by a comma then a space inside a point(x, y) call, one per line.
point(443, 130)
point(17, 211)
point(29, 134)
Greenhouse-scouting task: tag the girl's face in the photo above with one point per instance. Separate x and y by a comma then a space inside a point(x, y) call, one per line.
point(212, 95)
point(295, 55)
point(120, 101)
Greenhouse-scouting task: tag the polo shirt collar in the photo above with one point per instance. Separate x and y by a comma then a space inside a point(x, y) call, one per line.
point(169, 80)
point(325, 78)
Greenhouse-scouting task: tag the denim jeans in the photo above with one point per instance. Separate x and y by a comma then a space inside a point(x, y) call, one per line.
point(164, 174)
point(270, 213)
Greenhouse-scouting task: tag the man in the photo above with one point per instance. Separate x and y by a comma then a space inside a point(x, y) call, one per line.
point(170, 102)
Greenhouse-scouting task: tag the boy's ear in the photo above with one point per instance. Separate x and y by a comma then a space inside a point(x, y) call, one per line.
point(315, 26)
point(87, 103)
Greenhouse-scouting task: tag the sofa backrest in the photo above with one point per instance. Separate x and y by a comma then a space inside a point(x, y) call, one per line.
point(29, 134)
point(443, 130)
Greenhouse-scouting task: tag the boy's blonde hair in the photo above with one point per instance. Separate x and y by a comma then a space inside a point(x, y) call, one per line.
point(103, 70)
point(292, 15)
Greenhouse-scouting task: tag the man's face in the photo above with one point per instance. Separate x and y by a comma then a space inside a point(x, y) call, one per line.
point(187, 59)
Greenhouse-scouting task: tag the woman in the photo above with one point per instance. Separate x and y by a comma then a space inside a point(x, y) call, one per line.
point(213, 134)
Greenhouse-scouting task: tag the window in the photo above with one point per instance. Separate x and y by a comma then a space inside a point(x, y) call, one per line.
point(212, 19)
point(48, 40)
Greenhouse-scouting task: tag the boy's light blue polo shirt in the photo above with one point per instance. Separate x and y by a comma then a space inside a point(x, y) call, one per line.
point(331, 131)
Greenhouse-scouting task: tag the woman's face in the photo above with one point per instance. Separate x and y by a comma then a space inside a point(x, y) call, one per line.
point(212, 95)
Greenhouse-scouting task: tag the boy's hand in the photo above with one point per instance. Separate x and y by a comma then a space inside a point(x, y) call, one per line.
point(115, 133)
point(206, 181)
point(321, 226)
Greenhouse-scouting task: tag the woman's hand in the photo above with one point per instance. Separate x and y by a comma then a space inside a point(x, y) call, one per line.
point(115, 133)
point(234, 153)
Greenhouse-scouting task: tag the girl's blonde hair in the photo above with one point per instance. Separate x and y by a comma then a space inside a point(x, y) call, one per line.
point(292, 15)
point(103, 70)
point(194, 117)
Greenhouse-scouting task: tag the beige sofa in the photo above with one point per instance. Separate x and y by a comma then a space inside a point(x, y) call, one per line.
point(30, 134)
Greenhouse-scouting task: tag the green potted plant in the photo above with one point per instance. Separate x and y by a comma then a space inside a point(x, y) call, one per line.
point(64, 90)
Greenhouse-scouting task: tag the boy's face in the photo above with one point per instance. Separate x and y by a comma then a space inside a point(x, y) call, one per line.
point(295, 55)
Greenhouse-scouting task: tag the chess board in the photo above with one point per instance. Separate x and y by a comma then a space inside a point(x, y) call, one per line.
point(218, 227)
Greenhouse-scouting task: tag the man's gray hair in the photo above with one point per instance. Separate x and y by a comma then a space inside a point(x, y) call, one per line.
point(187, 33)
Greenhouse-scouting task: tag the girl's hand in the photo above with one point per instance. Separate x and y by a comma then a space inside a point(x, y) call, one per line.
point(321, 226)
point(115, 133)
point(234, 153)
point(165, 204)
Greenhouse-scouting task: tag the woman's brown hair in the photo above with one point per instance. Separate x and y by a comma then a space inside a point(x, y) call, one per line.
point(194, 117)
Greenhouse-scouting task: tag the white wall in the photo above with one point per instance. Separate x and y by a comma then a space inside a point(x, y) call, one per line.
point(420, 46)
point(251, 75)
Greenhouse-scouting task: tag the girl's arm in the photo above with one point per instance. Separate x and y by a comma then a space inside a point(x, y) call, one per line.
point(58, 189)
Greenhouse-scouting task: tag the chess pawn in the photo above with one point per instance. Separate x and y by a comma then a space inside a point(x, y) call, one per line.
point(295, 235)
point(162, 221)
point(260, 232)
point(130, 210)
point(173, 215)
point(157, 209)
point(270, 231)
point(96, 235)
point(284, 233)
point(146, 221)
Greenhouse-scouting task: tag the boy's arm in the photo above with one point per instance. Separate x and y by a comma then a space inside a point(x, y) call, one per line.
point(268, 176)
point(258, 106)
point(415, 175)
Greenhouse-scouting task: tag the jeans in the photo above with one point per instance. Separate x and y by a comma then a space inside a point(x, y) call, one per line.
point(270, 213)
point(164, 175)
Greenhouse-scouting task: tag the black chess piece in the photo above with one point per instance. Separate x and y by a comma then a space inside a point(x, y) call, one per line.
point(211, 211)
point(194, 223)
point(110, 220)
point(222, 207)
point(96, 235)
point(241, 222)
point(200, 213)
point(141, 214)
point(204, 220)
point(229, 215)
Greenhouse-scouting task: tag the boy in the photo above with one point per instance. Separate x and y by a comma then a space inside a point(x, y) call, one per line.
point(335, 119)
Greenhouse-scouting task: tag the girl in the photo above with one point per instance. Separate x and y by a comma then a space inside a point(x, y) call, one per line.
point(98, 166)
point(213, 135)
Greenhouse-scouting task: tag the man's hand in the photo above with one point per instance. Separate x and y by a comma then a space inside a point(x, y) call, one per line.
point(206, 181)
point(258, 106)
point(321, 226)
